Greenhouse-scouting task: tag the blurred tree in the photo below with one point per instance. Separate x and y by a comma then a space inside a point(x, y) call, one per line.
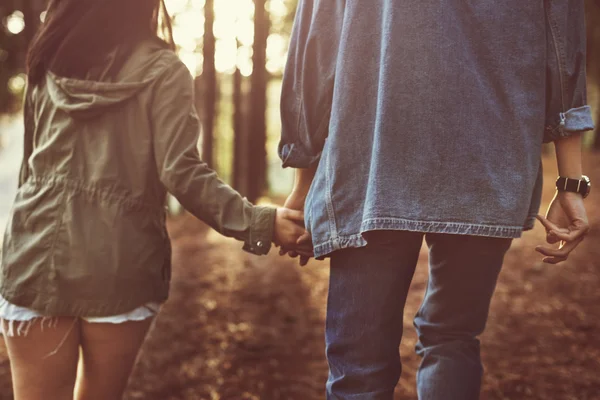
point(257, 151)
point(249, 120)
point(19, 20)
point(209, 75)
point(7, 50)
point(239, 179)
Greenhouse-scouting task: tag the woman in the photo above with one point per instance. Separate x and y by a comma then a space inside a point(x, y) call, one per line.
point(110, 128)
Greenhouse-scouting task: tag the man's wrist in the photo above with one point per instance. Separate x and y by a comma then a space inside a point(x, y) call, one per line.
point(299, 193)
point(579, 186)
point(572, 176)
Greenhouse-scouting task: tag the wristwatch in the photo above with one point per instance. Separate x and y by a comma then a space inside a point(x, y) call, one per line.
point(581, 186)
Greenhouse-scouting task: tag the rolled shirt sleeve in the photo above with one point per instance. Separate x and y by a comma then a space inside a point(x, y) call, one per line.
point(566, 99)
point(191, 181)
point(308, 81)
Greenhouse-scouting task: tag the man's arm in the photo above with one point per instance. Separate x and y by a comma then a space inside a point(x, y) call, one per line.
point(308, 81)
point(568, 156)
point(303, 180)
point(296, 200)
point(567, 116)
point(566, 220)
point(307, 94)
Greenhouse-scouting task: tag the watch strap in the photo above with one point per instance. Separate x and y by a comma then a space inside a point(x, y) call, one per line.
point(565, 184)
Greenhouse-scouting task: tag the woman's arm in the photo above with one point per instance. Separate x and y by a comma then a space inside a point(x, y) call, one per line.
point(176, 129)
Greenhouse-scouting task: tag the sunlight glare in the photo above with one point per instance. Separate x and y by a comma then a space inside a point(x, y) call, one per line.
point(278, 8)
point(245, 32)
point(224, 27)
point(244, 60)
point(15, 23)
point(188, 30)
point(16, 84)
point(192, 22)
point(234, 26)
point(233, 19)
point(193, 61)
point(177, 6)
point(276, 53)
point(225, 55)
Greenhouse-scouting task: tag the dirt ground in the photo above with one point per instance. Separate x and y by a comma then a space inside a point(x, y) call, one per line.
point(243, 327)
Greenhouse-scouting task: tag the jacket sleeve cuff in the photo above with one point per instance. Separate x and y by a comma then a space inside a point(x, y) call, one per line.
point(293, 156)
point(565, 124)
point(261, 230)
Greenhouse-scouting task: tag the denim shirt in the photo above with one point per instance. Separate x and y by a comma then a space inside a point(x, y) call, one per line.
point(429, 115)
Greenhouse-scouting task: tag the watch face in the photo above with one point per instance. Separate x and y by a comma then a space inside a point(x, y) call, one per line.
point(588, 186)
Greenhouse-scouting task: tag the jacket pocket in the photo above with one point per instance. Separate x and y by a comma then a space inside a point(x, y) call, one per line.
point(31, 235)
point(114, 249)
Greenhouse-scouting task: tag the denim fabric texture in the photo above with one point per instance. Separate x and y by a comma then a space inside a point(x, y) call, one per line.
point(367, 292)
point(429, 116)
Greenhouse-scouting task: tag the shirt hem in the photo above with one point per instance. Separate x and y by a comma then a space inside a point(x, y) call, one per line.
point(324, 248)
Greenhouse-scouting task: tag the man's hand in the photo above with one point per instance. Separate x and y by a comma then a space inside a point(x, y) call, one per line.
point(566, 223)
point(295, 201)
point(290, 232)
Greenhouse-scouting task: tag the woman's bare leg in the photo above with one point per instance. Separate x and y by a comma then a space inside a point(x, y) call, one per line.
point(109, 352)
point(43, 359)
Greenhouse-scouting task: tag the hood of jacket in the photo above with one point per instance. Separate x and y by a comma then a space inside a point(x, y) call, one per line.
point(85, 98)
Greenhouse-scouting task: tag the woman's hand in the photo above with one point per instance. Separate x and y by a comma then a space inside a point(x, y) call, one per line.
point(566, 223)
point(290, 233)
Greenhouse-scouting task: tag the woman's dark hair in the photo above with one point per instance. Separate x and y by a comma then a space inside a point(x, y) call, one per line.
point(77, 35)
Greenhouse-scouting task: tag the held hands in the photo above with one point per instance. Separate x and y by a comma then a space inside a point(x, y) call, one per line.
point(295, 201)
point(566, 223)
point(290, 233)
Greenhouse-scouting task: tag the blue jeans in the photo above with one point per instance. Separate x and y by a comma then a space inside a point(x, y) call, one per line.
point(367, 294)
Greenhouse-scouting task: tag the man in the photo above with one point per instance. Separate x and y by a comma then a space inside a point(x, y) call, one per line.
point(411, 119)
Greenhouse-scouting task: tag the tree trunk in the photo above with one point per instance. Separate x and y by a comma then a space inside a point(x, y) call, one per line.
point(239, 139)
point(210, 84)
point(257, 160)
point(596, 144)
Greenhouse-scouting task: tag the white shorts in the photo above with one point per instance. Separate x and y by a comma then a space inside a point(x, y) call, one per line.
point(16, 321)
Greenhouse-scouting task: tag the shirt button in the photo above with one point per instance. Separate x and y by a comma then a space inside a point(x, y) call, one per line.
point(260, 244)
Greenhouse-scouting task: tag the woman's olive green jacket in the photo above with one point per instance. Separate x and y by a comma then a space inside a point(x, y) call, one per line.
point(87, 236)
